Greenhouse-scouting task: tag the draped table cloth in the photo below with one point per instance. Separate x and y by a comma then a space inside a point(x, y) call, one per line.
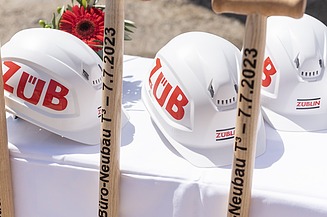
point(56, 177)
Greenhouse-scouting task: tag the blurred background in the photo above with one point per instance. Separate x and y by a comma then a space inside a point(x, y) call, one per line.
point(157, 21)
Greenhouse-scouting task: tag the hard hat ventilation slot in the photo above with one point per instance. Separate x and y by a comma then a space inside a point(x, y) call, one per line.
point(211, 90)
point(86, 75)
point(310, 70)
point(236, 88)
point(100, 67)
point(297, 62)
point(96, 81)
point(310, 74)
point(226, 101)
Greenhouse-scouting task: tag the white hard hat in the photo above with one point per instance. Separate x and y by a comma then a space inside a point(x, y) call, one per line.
point(53, 80)
point(191, 94)
point(294, 86)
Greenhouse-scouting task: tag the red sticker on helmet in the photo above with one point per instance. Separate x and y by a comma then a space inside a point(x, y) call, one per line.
point(30, 88)
point(268, 70)
point(168, 96)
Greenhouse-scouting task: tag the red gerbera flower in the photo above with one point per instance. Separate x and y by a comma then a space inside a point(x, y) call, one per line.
point(86, 24)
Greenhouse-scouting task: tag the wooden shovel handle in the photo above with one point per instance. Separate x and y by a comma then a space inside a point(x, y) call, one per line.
point(109, 180)
point(248, 109)
point(6, 190)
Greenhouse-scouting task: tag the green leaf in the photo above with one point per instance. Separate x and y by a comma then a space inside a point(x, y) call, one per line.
point(53, 21)
point(60, 15)
point(127, 37)
point(128, 30)
point(79, 2)
point(129, 23)
point(69, 7)
point(84, 3)
point(58, 9)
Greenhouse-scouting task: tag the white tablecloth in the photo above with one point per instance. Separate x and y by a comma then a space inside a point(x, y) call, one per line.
point(55, 177)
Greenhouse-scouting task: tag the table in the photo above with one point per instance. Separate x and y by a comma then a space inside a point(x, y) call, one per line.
point(56, 177)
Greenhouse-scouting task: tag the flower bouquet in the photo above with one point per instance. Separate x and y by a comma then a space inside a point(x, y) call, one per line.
point(85, 20)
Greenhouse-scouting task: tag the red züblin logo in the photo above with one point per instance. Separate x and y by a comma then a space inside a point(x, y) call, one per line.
point(224, 134)
point(54, 97)
point(172, 99)
point(302, 104)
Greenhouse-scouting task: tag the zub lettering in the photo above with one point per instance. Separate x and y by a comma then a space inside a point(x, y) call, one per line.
point(55, 94)
point(168, 96)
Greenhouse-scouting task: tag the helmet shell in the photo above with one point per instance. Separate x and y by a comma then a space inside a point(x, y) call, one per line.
point(53, 80)
point(294, 82)
point(191, 94)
